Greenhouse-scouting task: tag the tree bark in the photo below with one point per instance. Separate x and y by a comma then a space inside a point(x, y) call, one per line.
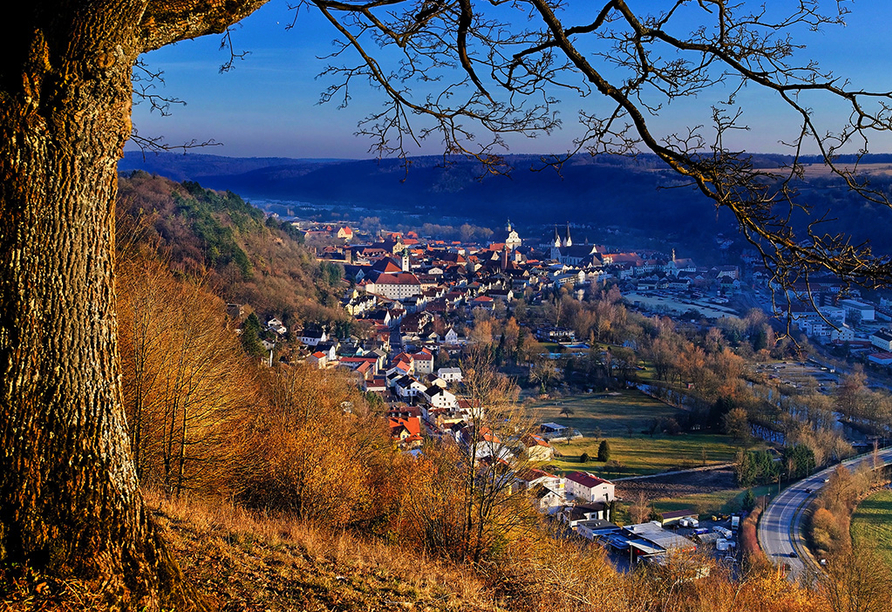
point(69, 495)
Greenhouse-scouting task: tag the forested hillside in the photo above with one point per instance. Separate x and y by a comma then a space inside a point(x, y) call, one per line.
point(229, 244)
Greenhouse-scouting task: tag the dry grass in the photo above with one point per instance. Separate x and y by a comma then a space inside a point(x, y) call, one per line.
point(243, 561)
point(247, 562)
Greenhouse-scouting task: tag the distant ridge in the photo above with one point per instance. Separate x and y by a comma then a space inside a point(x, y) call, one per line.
point(638, 195)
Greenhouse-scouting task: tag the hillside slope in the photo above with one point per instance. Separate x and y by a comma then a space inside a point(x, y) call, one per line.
point(246, 257)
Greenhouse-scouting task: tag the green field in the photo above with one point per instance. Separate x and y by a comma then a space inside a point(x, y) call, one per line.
point(610, 414)
point(645, 455)
point(872, 524)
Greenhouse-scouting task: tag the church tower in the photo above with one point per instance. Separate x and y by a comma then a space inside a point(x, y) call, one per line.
point(568, 242)
point(405, 263)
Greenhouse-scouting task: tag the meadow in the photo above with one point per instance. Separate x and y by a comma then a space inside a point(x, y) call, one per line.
point(610, 413)
point(872, 524)
point(641, 454)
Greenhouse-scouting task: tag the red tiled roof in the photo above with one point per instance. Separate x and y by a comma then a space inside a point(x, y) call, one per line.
point(586, 479)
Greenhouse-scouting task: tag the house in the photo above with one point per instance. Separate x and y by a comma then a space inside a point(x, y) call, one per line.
point(312, 337)
point(367, 367)
point(450, 375)
point(451, 337)
point(881, 358)
point(537, 448)
point(276, 326)
point(395, 286)
point(588, 488)
point(533, 477)
point(378, 384)
point(857, 311)
point(547, 500)
point(407, 387)
point(318, 360)
point(330, 349)
point(438, 397)
point(553, 430)
point(579, 513)
point(843, 334)
point(406, 431)
point(424, 362)
point(882, 339)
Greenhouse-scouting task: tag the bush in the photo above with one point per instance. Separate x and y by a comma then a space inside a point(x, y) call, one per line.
point(584, 458)
point(604, 451)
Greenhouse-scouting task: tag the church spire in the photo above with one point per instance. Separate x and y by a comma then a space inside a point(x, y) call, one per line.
point(568, 241)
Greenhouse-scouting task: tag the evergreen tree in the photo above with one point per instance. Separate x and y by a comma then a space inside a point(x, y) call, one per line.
point(604, 451)
point(749, 501)
point(251, 336)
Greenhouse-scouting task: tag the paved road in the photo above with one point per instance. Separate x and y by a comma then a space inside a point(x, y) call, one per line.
point(780, 527)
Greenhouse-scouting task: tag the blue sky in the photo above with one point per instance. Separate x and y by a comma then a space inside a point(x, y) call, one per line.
point(268, 105)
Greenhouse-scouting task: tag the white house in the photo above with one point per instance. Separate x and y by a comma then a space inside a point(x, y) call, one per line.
point(424, 362)
point(312, 337)
point(438, 397)
point(857, 310)
point(276, 326)
point(407, 386)
point(450, 375)
point(589, 488)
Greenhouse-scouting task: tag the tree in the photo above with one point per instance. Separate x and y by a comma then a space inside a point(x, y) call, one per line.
point(640, 510)
point(69, 497)
point(604, 451)
point(493, 457)
point(856, 581)
point(186, 382)
point(749, 501)
point(736, 424)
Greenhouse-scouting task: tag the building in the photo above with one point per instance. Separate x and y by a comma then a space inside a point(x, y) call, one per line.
point(588, 488)
point(882, 339)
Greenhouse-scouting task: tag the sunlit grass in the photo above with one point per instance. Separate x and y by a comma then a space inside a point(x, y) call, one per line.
point(602, 412)
point(872, 524)
point(640, 455)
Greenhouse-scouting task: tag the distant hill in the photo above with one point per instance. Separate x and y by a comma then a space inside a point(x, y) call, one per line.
point(640, 195)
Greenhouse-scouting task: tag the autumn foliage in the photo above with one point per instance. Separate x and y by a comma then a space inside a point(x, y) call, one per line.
point(305, 446)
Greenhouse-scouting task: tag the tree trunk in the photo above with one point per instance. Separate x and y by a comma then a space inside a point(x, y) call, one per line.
point(69, 497)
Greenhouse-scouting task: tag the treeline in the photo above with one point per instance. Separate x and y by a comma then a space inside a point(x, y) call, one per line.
point(763, 467)
point(829, 526)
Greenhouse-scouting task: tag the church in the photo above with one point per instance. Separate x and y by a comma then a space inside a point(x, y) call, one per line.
point(508, 238)
point(564, 251)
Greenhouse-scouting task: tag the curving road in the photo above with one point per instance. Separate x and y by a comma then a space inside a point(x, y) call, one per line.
point(780, 526)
